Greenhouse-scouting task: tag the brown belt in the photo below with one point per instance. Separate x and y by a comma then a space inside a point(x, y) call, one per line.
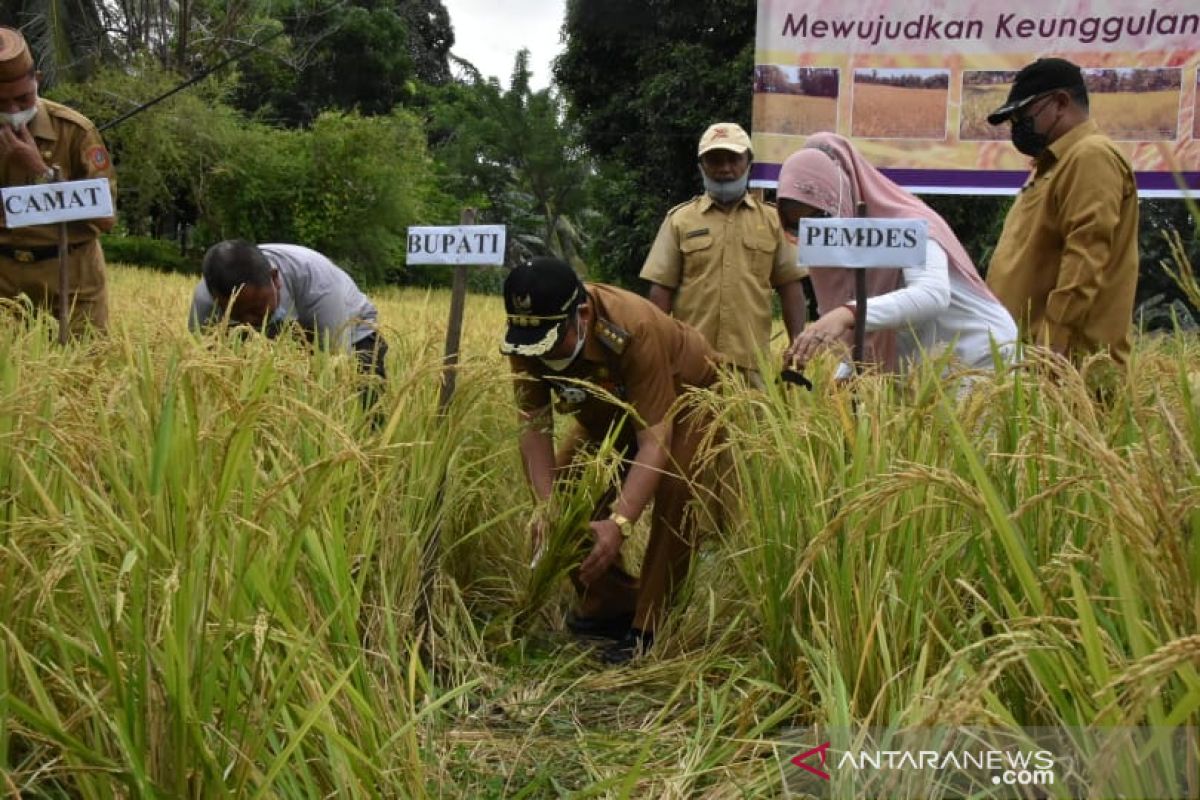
point(32, 255)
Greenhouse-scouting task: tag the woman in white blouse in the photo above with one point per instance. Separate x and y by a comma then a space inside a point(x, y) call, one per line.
point(913, 313)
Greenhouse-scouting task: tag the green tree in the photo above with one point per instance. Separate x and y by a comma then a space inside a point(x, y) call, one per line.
point(644, 78)
point(514, 154)
point(362, 55)
point(348, 186)
point(66, 36)
point(161, 154)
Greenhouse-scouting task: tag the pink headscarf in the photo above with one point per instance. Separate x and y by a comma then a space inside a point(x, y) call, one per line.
point(828, 173)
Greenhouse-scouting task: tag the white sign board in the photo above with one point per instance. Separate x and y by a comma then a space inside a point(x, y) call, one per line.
point(46, 203)
point(456, 244)
point(862, 242)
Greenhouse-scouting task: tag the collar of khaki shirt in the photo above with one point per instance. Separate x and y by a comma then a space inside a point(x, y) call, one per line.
point(40, 126)
point(1059, 147)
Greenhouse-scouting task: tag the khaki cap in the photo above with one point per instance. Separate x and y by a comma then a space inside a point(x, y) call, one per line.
point(15, 60)
point(724, 136)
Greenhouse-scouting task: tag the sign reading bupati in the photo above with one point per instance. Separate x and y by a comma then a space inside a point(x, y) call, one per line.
point(913, 86)
point(47, 203)
point(456, 244)
point(861, 242)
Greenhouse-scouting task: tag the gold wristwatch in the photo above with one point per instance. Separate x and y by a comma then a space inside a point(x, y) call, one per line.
point(625, 524)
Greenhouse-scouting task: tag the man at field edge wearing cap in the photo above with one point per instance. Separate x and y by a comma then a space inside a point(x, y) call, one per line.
point(1066, 264)
point(718, 257)
point(37, 136)
point(574, 348)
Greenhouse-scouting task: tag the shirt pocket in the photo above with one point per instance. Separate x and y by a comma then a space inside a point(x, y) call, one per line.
point(760, 252)
point(699, 254)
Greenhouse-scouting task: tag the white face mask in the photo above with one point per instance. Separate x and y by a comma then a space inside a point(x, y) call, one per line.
point(18, 119)
point(559, 364)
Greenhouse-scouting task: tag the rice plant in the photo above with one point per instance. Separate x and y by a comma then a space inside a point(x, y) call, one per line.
point(218, 579)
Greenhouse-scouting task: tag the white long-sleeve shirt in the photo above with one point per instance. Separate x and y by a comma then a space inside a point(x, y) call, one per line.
point(935, 309)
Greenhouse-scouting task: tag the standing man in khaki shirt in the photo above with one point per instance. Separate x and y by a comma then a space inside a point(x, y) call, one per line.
point(37, 135)
point(718, 256)
point(1066, 265)
point(612, 361)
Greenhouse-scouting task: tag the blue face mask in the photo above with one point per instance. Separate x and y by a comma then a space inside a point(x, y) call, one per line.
point(726, 192)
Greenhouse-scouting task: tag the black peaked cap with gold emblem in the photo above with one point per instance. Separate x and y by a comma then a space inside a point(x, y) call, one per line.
point(539, 296)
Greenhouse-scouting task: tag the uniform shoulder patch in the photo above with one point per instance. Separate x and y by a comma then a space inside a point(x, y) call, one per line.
point(96, 157)
point(682, 205)
point(612, 336)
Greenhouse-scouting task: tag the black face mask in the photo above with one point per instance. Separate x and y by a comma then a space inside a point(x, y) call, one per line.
point(1026, 139)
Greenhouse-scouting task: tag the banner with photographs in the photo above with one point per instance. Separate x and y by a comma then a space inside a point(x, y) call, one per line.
point(912, 84)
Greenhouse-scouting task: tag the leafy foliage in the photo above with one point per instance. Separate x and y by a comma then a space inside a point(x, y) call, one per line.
point(160, 155)
point(314, 186)
point(194, 159)
point(512, 153)
point(644, 79)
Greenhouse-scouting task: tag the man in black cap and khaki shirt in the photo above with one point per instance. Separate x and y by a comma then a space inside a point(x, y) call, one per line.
point(1066, 264)
point(37, 136)
point(622, 344)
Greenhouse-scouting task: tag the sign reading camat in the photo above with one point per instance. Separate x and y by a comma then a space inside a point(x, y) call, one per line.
point(56, 202)
point(859, 242)
point(456, 244)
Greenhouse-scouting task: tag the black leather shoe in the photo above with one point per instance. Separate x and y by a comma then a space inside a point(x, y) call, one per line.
point(604, 627)
point(633, 645)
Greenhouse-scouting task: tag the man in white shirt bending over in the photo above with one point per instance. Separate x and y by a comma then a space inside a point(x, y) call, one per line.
point(267, 285)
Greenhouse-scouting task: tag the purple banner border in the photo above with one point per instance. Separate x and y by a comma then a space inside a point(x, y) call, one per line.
point(963, 180)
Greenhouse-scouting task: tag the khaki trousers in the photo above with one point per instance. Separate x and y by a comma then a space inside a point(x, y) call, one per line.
point(38, 280)
point(673, 530)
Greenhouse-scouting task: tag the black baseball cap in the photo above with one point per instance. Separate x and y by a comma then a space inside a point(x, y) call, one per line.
point(1033, 81)
point(539, 296)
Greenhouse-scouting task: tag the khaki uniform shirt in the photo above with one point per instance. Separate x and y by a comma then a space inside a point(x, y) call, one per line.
point(29, 256)
point(68, 140)
point(634, 352)
point(723, 266)
point(1066, 265)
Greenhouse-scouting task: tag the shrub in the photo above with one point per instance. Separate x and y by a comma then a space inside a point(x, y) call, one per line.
point(147, 251)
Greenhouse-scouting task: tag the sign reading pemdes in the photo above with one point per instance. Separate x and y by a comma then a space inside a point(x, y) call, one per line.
point(456, 244)
point(46, 203)
point(862, 242)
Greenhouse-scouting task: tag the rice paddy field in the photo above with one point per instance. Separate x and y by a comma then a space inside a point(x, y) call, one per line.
point(794, 114)
point(219, 579)
point(977, 103)
point(897, 112)
point(1137, 115)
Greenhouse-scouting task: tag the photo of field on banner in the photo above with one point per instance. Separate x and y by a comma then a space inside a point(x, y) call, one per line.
point(861, 243)
point(58, 203)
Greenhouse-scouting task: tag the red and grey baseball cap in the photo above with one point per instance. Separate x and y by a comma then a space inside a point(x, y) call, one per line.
point(724, 136)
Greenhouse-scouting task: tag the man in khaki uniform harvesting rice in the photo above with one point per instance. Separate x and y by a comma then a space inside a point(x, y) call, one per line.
point(574, 348)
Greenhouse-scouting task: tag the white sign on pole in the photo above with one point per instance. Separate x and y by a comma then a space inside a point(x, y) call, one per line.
point(67, 201)
point(456, 244)
point(862, 242)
